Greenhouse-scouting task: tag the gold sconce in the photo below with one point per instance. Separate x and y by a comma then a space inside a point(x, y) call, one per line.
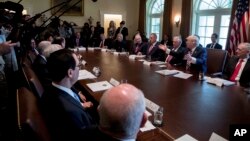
point(177, 20)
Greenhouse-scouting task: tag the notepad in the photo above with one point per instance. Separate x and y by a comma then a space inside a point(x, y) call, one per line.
point(167, 72)
point(216, 137)
point(114, 82)
point(183, 75)
point(99, 86)
point(151, 105)
point(84, 74)
point(219, 82)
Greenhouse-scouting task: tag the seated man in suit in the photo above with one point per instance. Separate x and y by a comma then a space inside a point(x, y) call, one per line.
point(214, 44)
point(119, 44)
point(103, 42)
point(197, 56)
point(238, 67)
point(122, 113)
point(138, 45)
point(77, 40)
point(153, 52)
point(176, 54)
point(61, 107)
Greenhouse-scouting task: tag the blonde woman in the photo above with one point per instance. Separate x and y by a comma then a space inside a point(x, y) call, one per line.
point(111, 30)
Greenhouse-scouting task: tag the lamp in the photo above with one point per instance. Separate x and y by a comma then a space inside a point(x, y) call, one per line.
point(177, 20)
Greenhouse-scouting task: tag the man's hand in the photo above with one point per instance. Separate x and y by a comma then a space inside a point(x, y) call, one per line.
point(163, 47)
point(5, 47)
point(86, 105)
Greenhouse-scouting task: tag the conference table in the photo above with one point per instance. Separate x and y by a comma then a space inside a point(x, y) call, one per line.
point(191, 107)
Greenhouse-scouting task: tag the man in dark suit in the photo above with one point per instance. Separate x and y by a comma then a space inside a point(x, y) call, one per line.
point(197, 56)
point(61, 107)
point(40, 64)
point(122, 113)
point(176, 53)
point(123, 30)
point(214, 44)
point(103, 42)
point(242, 62)
point(77, 40)
point(153, 51)
point(138, 45)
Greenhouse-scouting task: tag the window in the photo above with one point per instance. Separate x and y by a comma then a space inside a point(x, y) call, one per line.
point(212, 16)
point(155, 17)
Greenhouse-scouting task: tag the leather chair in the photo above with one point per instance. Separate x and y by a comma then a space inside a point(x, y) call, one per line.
point(30, 122)
point(33, 82)
point(216, 59)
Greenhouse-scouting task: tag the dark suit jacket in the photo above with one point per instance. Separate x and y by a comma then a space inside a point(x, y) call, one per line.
point(200, 54)
point(81, 42)
point(245, 76)
point(65, 117)
point(118, 46)
point(177, 56)
point(217, 46)
point(124, 32)
point(40, 68)
point(141, 46)
point(156, 53)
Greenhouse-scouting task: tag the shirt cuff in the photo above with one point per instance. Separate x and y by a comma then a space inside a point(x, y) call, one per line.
point(168, 51)
point(193, 61)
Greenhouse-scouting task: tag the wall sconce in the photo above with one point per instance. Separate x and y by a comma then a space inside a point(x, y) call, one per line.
point(177, 20)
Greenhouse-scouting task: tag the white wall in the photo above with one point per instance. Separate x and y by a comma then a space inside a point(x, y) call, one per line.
point(129, 7)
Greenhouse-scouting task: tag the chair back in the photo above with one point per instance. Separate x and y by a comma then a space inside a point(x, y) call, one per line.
point(29, 118)
point(33, 81)
point(215, 60)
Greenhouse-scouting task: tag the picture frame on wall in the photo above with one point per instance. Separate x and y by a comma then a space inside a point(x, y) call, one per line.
point(67, 8)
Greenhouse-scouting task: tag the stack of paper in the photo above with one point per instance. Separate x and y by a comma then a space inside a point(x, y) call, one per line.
point(159, 62)
point(219, 82)
point(84, 74)
point(99, 86)
point(183, 75)
point(167, 72)
point(186, 137)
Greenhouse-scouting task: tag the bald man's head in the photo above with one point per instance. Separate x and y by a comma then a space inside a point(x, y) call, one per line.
point(121, 111)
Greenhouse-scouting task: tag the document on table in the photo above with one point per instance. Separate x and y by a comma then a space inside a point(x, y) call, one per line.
point(148, 126)
point(80, 49)
point(167, 72)
point(84, 74)
point(219, 82)
point(183, 75)
point(151, 105)
point(99, 86)
point(186, 137)
point(158, 63)
point(216, 137)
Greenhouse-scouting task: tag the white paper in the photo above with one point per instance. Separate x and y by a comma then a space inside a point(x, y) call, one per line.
point(80, 49)
point(90, 48)
point(183, 75)
point(158, 63)
point(219, 82)
point(142, 60)
point(147, 63)
point(84, 74)
point(84, 62)
point(132, 57)
point(216, 137)
point(116, 53)
point(97, 48)
point(148, 113)
point(114, 82)
point(140, 56)
point(104, 50)
point(148, 126)
point(186, 137)
point(151, 105)
point(167, 72)
point(162, 66)
point(99, 86)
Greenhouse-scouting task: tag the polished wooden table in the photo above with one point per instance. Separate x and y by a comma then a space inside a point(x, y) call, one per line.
point(190, 106)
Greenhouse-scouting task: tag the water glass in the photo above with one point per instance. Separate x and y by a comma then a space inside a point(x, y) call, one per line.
point(124, 81)
point(158, 117)
point(96, 71)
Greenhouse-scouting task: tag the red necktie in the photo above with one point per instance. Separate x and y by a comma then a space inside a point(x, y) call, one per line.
point(236, 71)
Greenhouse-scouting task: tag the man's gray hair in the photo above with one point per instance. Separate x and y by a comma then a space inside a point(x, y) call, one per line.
point(42, 46)
point(123, 118)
